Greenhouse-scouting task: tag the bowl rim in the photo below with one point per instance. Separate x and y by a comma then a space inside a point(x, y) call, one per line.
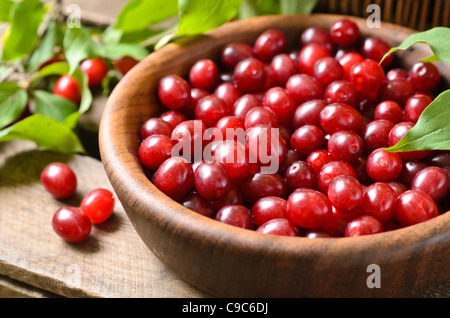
point(133, 187)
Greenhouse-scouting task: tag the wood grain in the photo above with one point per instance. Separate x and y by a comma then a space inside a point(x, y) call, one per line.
point(113, 262)
point(227, 261)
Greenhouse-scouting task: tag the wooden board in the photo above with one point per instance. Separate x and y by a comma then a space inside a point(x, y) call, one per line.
point(113, 262)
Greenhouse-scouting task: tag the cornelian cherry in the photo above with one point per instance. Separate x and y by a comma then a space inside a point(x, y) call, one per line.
point(98, 205)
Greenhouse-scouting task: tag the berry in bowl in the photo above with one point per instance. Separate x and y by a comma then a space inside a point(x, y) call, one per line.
point(251, 160)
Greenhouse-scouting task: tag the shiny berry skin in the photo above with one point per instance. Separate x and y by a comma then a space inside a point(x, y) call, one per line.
point(95, 69)
point(249, 75)
point(231, 155)
point(282, 68)
point(308, 208)
point(279, 226)
point(229, 126)
point(344, 32)
point(228, 92)
point(331, 170)
point(367, 76)
point(328, 70)
point(212, 180)
point(341, 91)
point(363, 225)
point(397, 73)
point(204, 74)
point(154, 150)
point(236, 215)
point(384, 166)
point(59, 180)
point(434, 181)
point(210, 109)
point(424, 76)
point(345, 145)
point(175, 177)
point(415, 206)
point(337, 116)
point(261, 115)
point(259, 185)
point(317, 159)
point(309, 55)
point(195, 202)
point(281, 102)
point(317, 35)
point(307, 138)
point(266, 147)
point(376, 135)
point(125, 64)
point(300, 175)
point(396, 134)
point(196, 95)
point(71, 224)
point(374, 48)
point(379, 200)
point(190, 133)
point(348, 60)
point(173, 117)
point(67, 87)
point(232, 53)
point(415, 105)
point(174, 92)
point(345, 193)
point(155, 126)
point(398, 90)
point(269, 43)
point(98, 205)
point(268, 208)
point(388, 110)
point(243, 104)
point(308, 113)
point(409, 170)
point(303, 88)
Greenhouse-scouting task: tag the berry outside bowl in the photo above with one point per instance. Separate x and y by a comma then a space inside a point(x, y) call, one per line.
point(227, 261)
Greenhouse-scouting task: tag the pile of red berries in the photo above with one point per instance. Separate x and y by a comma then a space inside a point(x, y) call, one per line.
point(331, 110)
point(71, 223)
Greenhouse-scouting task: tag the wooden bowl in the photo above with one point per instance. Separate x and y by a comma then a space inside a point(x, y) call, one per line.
point(227, 261)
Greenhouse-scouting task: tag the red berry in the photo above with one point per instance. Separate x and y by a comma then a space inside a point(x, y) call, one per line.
point(282, 68)
point(270, 43)
point(415, 206)
point(317, 35)
point(268, 208)
point(434, 181)
point(125, 64)
point(374, 48)
point(341, 91)
point(344, 32)
point(174, 92)
point(261, 115)
point(328, 70)
point(175, 177)
point(300, 175)
point(345, 145)
point(250, 75)
point(96, 70)
point(367, 76)
point(210, 109)
point(363, 225)
point(71, 224)
point(259, 185)
point(281, 102)
point(232, 53)
point(204, 74)
point(388, 110)
point(59, 180)
point(424, 76)
point(379, 200)
point(155, 126)
point(280, 226)
point(308, 208)
point(303, 88)
point(308, 57)
point(415, 105)
point(331, 170)
point(307, 138)
point(195, 202)
point(154, 150)
point(345, 193)
point(98, 205)
point(212, 180)
point(67, 87)
point(308, 113)
point(384, 166)
point(236, 215)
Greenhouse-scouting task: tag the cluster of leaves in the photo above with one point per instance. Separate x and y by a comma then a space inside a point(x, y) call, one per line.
point(37, 33)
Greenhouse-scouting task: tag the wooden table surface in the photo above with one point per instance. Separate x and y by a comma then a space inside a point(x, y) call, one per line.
point(113, 262)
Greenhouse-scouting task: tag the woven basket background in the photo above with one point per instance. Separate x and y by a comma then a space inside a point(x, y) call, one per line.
point(416, 14)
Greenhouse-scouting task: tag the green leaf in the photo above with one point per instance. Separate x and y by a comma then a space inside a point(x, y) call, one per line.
point(26, 16)
point(5, 9)
point(46, 48)
point(53, 106)
point(114, 51)
point(297, 7)
point(45, 132)
point(79, 45)
point(432, 130)
point(253, 8)
point(438, 39)
point(137, 15)
point(13, 101)
point(198, 16)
